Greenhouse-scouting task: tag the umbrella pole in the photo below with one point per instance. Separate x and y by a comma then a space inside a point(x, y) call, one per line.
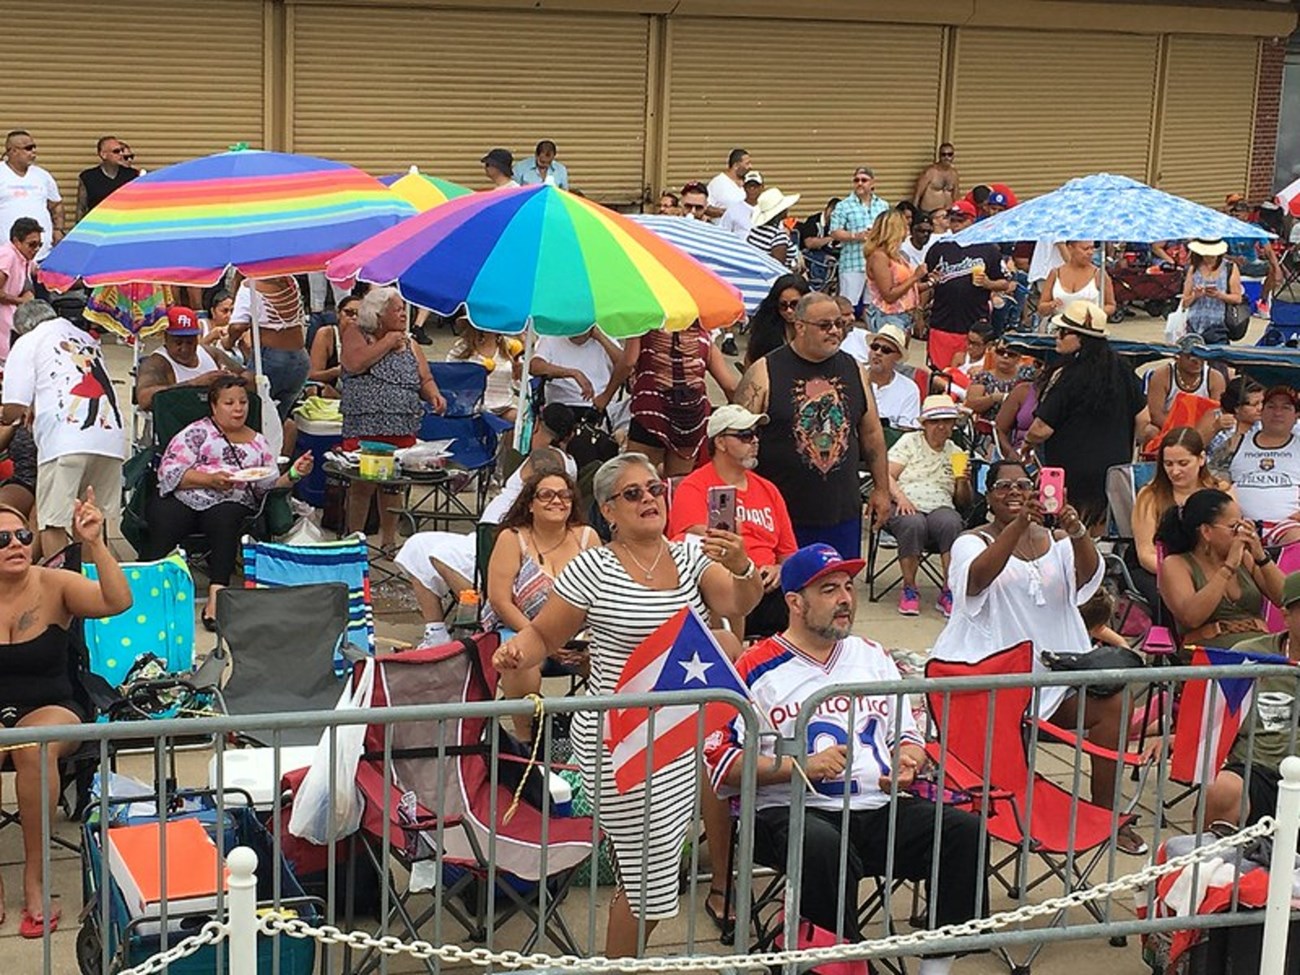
point(523, 411)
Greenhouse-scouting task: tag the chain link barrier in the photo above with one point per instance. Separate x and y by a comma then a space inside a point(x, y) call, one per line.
point(273, 923)
point(210, 934)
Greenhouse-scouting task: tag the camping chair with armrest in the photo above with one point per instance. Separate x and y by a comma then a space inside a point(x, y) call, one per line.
point(437, 802)
point(984, 748)
point(265, 634)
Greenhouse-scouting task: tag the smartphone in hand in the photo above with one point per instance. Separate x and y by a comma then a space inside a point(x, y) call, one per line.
point(722, 507)
point(1051, 493)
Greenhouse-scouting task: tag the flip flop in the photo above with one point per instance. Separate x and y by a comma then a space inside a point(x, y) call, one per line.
point(724, 924)
point(31, 928)
point(1128, 841)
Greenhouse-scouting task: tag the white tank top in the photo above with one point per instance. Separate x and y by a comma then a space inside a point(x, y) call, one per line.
point(185, 373)
point(1174, 389)
point(1267, 481)
point(1088, 292)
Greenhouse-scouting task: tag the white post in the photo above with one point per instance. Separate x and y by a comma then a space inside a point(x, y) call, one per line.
point(1277, 913)
point(242, 911)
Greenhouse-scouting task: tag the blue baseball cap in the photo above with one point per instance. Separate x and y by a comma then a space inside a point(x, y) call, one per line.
point(812, 562)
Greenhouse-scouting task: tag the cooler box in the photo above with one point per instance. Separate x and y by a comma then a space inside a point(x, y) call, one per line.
point(316, 437)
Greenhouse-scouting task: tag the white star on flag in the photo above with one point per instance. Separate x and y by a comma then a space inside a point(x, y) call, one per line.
point(695, 669)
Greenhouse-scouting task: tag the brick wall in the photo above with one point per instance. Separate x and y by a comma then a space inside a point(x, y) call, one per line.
point(1268, 103)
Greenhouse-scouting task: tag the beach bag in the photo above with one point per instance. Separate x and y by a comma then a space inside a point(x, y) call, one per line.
point(1236, 319)
point(1176, 325)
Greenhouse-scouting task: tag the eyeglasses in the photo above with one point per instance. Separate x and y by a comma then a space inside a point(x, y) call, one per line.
point(826, 325)
point(695, 207)
point(119, 151)
point(24, 536)
point(884, 349)
point(787, 305)
point(547, 495)
point(635, 492)
point(1022, 484)
point(862, 179)
point(744, 436)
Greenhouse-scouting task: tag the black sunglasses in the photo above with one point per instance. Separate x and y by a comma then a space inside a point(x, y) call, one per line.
point(744, 436)
point(883, 349)
point(24, 536)
point(30, 148)
point(701, 207)
point(635, 492)
point(784, 305)
point(1004, 350)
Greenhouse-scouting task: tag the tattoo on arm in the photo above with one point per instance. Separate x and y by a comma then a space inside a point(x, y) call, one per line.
point(752, 391)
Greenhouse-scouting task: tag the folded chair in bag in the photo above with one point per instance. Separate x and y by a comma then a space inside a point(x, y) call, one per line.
point(439, 803)
point(345, 560)
point(281, 645)
point(1027, 811)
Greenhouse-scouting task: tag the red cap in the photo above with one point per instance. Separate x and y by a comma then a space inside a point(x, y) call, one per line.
point(182, 321)
point(964, 206)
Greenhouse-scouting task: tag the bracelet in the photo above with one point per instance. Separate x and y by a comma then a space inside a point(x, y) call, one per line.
point(1076, 535)
point(748, 573)
point(294, 475)
point(1265, 560)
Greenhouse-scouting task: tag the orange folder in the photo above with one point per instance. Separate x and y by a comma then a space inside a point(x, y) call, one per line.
point(192, 868)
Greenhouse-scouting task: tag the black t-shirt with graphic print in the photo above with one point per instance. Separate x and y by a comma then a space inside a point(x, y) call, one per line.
point(958, 303)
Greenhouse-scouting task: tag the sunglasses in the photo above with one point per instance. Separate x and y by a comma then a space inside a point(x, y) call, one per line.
point(883, 349)
point(24, 536)
point(744, 436)
point(1022, 484)
point(787, 305)
point(862, 179)
point(695, 207)
point(547, 495)
point(635, 492)
point(828, 325)
point(28, 148)
point(1004, 350)
point(946, 155)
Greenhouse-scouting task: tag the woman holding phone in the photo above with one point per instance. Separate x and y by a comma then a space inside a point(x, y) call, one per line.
point(1211, 284)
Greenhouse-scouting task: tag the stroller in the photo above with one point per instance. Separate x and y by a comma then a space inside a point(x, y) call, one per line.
point(130, 942)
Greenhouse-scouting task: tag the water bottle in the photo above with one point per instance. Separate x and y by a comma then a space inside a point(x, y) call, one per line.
point(467, 610)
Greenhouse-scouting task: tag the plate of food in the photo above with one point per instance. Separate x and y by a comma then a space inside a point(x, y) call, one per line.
point(254, 474)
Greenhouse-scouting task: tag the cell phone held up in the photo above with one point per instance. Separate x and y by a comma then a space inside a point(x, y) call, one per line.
point(722, 507)
point(1051, 493)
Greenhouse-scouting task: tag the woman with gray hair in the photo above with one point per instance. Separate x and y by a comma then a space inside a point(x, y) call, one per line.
point(384, 384)
point(621, 593)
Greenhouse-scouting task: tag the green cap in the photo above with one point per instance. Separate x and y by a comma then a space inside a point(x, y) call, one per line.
point(1291, 589)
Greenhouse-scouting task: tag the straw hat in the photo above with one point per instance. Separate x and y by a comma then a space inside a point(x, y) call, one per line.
point(939, 406)
point(769, 203)
point(1082, 318)
point(894, 335)
point(1208, 248)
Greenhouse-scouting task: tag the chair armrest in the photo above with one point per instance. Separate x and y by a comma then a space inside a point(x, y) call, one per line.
point(962, 776)
point(1049, 730)
point(208, 674)
point(353, 653)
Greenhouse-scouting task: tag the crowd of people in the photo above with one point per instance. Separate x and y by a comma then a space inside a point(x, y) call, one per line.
point(822, 430)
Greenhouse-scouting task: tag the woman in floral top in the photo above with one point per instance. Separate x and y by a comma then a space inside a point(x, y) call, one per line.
point(989, 388)
point(211, 477)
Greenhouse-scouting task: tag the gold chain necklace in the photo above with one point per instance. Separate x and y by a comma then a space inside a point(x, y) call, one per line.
point(650, 572)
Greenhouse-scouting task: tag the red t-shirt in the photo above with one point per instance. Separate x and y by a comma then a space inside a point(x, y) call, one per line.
point(760, 510)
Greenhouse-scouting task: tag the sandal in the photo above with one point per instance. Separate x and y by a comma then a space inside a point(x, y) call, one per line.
point(724, 924)
point(1128, 841)
point(31, 928)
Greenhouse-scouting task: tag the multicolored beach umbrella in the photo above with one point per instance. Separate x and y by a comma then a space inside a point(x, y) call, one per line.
point(264, 213)
point(133, 311)
point(542, 256)
point(421, 191)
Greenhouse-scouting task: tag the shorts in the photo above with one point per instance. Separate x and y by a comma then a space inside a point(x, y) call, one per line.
point(845, 538)
point(1263, 790)
point(60, 482)
point(10, 715)
point(458, 551)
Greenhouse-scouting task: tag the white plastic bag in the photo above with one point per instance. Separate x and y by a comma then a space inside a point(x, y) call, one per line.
point(306, 528)
point(310, 818)
point(1176, 325)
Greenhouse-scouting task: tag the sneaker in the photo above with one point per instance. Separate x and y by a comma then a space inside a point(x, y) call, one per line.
point(421, 336)
point(909, 603)
point(944, 604)
point(887, 540)
point(729, 345)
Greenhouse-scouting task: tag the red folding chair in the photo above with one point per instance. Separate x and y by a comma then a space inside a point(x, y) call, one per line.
point(1026, 810)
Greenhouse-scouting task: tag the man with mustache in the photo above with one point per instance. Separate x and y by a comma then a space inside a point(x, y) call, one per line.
point(782, 672)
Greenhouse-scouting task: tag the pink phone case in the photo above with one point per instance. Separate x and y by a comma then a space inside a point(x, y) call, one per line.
point(722, 507)
point(1051, 489)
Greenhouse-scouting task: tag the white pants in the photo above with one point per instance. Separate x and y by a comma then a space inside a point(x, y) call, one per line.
point(853, 284)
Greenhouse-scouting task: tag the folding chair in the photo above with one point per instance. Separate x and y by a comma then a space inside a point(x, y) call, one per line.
point(474, 433)
point(985, 750)
point(345, 560)
point(265, 634)
point(440, 801)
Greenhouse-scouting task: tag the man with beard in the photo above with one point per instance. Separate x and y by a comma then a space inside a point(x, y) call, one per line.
point(818, 650)
point(823, 426)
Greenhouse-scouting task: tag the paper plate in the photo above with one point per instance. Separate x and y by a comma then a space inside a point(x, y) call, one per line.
point(254, 474)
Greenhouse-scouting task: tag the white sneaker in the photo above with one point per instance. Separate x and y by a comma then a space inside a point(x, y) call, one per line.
point(887, 540)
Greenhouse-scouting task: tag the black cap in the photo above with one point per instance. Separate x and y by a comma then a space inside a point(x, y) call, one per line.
point(502, 159)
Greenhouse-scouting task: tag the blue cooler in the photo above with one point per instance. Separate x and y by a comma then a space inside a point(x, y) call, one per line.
point(316, 437)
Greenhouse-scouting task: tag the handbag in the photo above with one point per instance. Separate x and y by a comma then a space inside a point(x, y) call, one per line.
point(813, 936)
point(1236, 318)
point(592, 442)
point(1098, 658)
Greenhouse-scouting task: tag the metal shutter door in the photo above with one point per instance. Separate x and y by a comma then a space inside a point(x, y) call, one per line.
point(1034, 108)
point(1208, 117)
point(755, 83)
point(384, 88)
point(174, 80)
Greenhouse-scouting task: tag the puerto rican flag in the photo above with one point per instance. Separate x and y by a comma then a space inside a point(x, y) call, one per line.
point(681, 655)
point(1212, 720)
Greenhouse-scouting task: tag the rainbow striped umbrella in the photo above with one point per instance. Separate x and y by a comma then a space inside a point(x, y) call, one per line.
point(264, 213)
point(543, 256)
point(421, 191)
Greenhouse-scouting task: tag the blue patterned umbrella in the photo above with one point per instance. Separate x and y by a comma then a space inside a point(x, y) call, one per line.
point(748, 269)
point(1107, 208)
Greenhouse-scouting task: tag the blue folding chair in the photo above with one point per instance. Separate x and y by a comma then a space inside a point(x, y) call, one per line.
point(474, 433)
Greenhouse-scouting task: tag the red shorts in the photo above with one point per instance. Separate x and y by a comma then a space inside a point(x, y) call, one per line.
point(354, 443)
point(942, 347)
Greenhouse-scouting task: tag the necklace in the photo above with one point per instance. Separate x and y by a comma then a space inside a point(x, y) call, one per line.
point(650, 572)
point(543, 552)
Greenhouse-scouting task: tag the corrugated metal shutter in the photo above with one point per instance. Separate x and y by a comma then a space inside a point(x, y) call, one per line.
point(383, 88)
point(174, 80)
point(1208, 117)
point(1035, 108)
point(806, 120)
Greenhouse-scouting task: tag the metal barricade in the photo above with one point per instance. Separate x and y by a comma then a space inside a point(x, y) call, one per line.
point(341, 939)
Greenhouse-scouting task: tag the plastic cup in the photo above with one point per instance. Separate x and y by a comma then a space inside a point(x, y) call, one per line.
point(960, 463)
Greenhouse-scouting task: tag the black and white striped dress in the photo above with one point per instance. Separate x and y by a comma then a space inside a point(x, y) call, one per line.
point(620, 614)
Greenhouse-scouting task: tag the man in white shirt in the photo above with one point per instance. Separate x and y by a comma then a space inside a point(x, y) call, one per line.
point(55, 376)
point(582, 371)
point(27, 190)
point(727, 187)
point(818, 650)
point(898, 399)
point(739, 216)
point(918, 241)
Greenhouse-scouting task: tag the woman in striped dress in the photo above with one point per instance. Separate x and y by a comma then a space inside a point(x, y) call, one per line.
point(621, 593)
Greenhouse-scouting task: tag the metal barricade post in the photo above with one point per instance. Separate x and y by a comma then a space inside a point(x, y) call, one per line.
point(1281, 870)
point(243, 910)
